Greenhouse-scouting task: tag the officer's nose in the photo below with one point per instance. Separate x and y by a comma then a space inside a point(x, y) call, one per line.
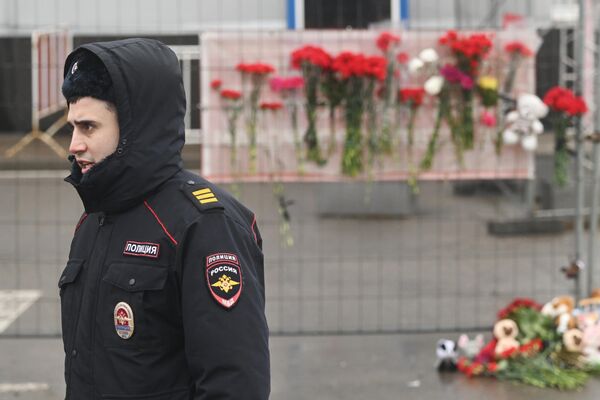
point(77, 145)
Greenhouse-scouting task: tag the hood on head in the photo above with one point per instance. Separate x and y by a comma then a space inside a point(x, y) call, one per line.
point(150, 102)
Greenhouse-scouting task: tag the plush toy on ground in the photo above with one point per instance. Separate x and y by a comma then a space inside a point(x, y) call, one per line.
point(505, 332)
point(446, 355)
point(470, 348)
point(561, 309)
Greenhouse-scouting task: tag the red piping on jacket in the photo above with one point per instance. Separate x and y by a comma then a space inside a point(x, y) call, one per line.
point(83, 217)
point(253, 231)
point(160, 222)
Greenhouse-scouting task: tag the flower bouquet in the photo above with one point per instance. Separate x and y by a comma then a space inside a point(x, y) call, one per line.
point(313, 61)
point(565, 108)
point(256, 74)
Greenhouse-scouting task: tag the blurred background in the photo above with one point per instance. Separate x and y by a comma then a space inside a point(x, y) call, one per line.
point(366, 269)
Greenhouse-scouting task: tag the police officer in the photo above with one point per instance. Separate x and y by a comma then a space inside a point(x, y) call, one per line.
point(163, 294)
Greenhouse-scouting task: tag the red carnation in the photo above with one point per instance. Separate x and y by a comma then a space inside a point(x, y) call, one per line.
point(312, 55)
point(216, 84)
point(411, 96)
point(230, 94)
point(385, 39)
point(561, 99)
point(492, 367)
point(273, 106)
point(402, 58)
point(517, 47)
point(375, 67)
point(349, 64)
point(255, 68)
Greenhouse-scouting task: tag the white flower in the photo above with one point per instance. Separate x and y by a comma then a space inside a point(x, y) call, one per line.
point(415, 65)
point(530, 142)
point(510, 137)
point(429, 56)
point(433, 86)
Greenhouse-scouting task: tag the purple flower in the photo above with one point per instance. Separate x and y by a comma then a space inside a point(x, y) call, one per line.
point(451, 73)
point(454, 75)
point(466, 82)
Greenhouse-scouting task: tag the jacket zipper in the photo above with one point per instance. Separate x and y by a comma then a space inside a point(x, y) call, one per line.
point(76, 325)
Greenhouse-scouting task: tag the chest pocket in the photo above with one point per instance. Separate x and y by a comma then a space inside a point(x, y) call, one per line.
point(134, 304)
point(70, 299)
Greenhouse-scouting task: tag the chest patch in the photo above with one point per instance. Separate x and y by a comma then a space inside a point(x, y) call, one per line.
point(124, 323)
point(141, 249)
point(224, 278)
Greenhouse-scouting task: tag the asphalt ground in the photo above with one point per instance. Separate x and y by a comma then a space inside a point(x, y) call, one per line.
point(436, 269)
point(356, 367)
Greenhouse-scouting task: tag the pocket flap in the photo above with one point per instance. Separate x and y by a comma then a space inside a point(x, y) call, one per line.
point(70, 272)
point(136, 277)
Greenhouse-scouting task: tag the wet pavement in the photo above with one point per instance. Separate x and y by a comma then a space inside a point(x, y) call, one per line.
point(349, 367)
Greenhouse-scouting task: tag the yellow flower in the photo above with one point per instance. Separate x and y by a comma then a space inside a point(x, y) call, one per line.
point(488, 82)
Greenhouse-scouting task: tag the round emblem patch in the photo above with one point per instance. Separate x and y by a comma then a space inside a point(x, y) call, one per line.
point(123, 317)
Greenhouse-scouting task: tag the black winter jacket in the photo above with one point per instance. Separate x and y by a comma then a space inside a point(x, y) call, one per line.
point(163, 293)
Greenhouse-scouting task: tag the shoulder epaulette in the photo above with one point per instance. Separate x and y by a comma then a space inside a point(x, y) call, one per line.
point(203, 197)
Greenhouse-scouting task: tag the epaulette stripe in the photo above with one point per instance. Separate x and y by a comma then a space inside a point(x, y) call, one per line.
point(201, 191)
point(205, 196)
point(211, 200)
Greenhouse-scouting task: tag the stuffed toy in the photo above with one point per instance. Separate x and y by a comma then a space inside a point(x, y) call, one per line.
point(523, 124)
point(505, 332)
point(561, 309)
point(470, 348)
point(591, 344)
point(446, 355)
point(573, 340)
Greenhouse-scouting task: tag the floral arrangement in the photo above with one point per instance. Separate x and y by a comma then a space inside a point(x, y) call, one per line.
point(380, 97)
point(538, 353)
point(517, 52)
point(256, 74)
point(312, 61)
point(231, 106)
point(289, 88)
point(469, 52)
point(388, 43)
point(565, 108)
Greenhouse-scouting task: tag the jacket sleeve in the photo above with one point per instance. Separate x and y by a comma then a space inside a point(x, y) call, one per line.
point(223, 309)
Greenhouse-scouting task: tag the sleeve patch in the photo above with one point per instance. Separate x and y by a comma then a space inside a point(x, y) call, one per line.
point(224, 278)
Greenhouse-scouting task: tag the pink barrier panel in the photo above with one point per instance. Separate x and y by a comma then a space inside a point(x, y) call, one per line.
point(49, 49)
point(276, 157)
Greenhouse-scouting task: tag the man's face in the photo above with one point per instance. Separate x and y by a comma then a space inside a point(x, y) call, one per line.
point(95, 131)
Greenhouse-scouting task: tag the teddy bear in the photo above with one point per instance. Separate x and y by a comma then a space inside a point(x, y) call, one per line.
point(523, 124)
point(505, 332)
point(560, 309)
